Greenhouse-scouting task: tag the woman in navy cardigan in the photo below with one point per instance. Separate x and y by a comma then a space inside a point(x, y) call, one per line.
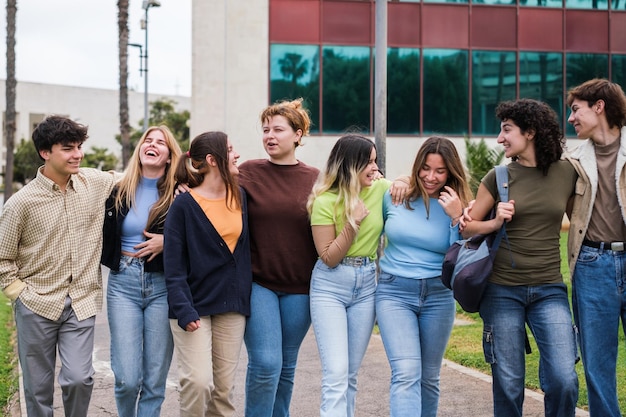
point(208, 275)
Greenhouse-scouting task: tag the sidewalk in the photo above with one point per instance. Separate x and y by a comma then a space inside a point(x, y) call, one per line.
point(464, 392)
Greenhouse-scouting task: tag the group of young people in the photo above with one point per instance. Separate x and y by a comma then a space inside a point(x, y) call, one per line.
point(255, 253)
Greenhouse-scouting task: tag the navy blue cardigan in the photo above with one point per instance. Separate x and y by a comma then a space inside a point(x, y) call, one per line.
point(203, 277)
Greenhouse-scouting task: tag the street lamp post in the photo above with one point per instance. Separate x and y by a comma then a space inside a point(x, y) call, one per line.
point(144, 25)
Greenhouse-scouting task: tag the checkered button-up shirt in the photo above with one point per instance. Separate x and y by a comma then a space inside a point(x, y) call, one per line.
point(51, 243)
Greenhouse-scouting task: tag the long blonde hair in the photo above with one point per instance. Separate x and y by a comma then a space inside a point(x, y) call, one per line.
point(348, 158)
point(127, 187)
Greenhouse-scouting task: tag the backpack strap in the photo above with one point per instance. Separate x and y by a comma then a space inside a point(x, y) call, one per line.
point(502, 180)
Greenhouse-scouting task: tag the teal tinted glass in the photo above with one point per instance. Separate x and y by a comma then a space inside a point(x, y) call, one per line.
point(586, 4)
point(583, 67)
point(346, 90)
point(541, 78)
point(445, 93)
point(493, 80)
point(294, 73)
point(541, 3)
point(445, 1)
point(618, 70)
point(403, 90)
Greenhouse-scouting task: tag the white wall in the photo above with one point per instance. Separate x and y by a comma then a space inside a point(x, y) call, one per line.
point(94, 107)
point(230, 70)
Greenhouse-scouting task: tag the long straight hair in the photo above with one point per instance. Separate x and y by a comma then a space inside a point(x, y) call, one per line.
point(127, 187)
point(193, 166)
point(348, 158)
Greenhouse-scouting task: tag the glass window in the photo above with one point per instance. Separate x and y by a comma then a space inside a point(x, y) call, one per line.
point(346, 89)
point(496, 2)
point(446, 1)
point(294, 73)
point(541, 78)
point(445, 91)
point(583, 67)
point(618, 70)
point(403, 90)
point(586, 4)
point(616, 4)
point(541, 3)
point(494, 80)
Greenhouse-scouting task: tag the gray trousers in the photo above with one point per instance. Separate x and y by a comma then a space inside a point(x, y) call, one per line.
point(37, 342)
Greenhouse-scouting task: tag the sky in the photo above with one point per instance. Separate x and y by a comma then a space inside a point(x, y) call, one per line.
point(75, 43)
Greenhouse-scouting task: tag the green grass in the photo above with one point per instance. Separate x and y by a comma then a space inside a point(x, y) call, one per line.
point(9, 383)
point(465, 348)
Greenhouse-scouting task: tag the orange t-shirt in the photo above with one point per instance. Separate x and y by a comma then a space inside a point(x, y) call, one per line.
point(227, 222)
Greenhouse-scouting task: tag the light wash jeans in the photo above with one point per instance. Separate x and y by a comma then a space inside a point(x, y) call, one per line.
point(415, 317)
point(545, 308)
point(599, 302)
point(275, 329)
point(141, 340)
point(342, 312)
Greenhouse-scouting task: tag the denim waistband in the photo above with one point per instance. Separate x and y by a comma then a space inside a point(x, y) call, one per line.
point(130, 259)
point(356, 261)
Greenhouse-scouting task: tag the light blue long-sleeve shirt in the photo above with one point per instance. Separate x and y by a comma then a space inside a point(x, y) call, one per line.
point(416, 243)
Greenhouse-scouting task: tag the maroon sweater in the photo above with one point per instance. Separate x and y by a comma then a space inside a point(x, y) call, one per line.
point(283, 253)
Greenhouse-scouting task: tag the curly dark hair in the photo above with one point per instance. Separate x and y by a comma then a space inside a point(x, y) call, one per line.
point(533, 116)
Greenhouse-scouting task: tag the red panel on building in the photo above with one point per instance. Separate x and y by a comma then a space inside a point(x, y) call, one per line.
point(445, 26)
point(618, 33)
point(403, 29)
point(540, 29)
point(348, 23)
point(294, 21)
point(494, 27)
point(587, 31)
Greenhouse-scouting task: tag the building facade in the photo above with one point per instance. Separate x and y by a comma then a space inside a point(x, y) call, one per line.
point(449, 63)
point(97, 108)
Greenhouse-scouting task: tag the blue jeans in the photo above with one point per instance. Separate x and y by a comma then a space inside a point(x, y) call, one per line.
point(545, 308)
point(274, 332)
point(342, 312)
point(141, 339)
point(599, 301)
point(415, 317)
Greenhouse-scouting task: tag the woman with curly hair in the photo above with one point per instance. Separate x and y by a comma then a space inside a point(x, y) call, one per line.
point(526, 286)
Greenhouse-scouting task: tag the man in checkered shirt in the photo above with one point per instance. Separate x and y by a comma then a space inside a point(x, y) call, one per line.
point(51, 234)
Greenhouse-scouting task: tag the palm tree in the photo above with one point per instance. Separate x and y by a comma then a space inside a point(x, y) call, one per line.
point(11, 87)
point(122, 24)
point(291, 67)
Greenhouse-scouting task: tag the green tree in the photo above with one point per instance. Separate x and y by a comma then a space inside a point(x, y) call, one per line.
point(100, 158)
point(26, 161)
point(479, 160)
point(163, 112)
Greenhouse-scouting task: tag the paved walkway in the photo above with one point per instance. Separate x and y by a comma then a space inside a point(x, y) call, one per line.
point(464, 392)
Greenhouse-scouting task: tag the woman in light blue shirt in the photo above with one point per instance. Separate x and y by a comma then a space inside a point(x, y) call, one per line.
point(415, 310)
